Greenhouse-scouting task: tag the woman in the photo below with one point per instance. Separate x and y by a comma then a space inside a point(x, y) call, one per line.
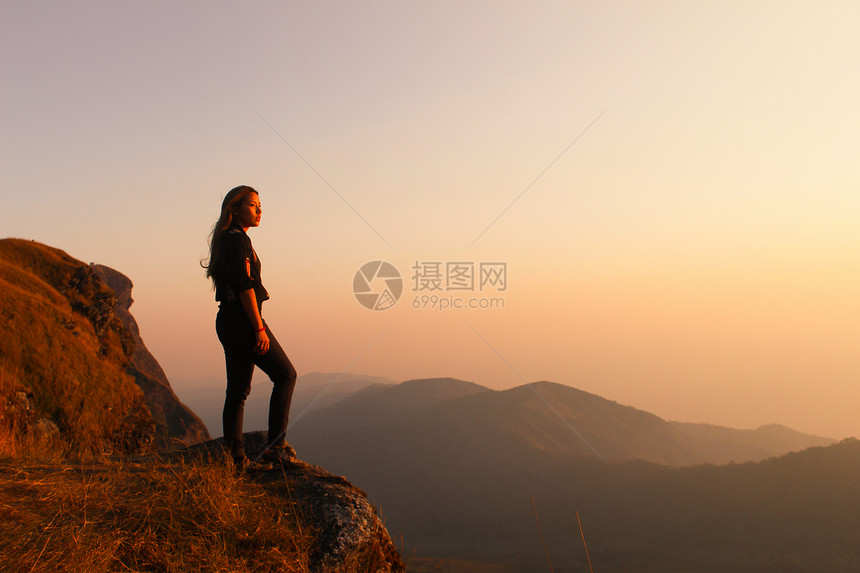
point(235, 272)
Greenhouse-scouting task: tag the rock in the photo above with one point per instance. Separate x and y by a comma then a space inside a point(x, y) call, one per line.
point(88, 294)
point(174, 420)
point(21, 403)
point(136, 434)
point(21, 414)
point(350, 534)
point(45, 429)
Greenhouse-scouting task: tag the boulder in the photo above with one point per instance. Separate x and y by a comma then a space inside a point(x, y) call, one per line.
point(350, 534)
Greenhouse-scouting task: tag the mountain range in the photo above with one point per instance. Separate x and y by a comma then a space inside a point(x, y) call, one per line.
point(542, 416)
point(461, 472)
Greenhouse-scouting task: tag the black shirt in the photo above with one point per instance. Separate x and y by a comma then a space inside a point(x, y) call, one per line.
point(238, 269)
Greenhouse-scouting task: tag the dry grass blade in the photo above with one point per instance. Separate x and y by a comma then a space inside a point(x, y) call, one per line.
point(582, 534)
point(537, 519)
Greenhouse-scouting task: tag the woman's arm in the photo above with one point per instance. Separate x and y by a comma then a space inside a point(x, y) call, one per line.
point(249, 303)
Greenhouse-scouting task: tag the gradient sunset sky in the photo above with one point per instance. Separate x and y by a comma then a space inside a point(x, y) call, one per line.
point(673, 186)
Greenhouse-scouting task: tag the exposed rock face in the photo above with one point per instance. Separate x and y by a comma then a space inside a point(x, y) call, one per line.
point(174, 420)
point(86, 295)
point(350, 534)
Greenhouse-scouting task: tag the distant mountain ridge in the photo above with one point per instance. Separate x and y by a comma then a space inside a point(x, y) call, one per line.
point(542, 416)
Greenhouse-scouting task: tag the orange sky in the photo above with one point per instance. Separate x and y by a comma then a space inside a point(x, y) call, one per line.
point(673, 186)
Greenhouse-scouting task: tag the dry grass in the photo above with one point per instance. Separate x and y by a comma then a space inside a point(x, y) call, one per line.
point(49, 347)
point(152, 516)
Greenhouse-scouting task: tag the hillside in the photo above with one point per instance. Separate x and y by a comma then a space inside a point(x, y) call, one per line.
point(63, 355)
point(71, 348)
point(795, 513)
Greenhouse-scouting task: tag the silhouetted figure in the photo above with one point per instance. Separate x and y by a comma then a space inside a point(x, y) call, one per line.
point(234, 269)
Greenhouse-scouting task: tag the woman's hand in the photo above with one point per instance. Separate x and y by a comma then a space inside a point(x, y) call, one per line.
point(249, 301)
point(262, 345)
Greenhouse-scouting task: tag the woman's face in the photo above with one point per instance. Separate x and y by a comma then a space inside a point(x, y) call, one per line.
point(248, 211)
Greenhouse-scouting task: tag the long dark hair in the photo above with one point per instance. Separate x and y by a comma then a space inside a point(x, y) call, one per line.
point(225, 221)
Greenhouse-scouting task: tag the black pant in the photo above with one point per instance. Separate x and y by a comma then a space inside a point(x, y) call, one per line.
point(237, 336)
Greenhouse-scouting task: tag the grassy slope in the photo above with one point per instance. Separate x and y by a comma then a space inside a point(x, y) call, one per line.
point(53, 344)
